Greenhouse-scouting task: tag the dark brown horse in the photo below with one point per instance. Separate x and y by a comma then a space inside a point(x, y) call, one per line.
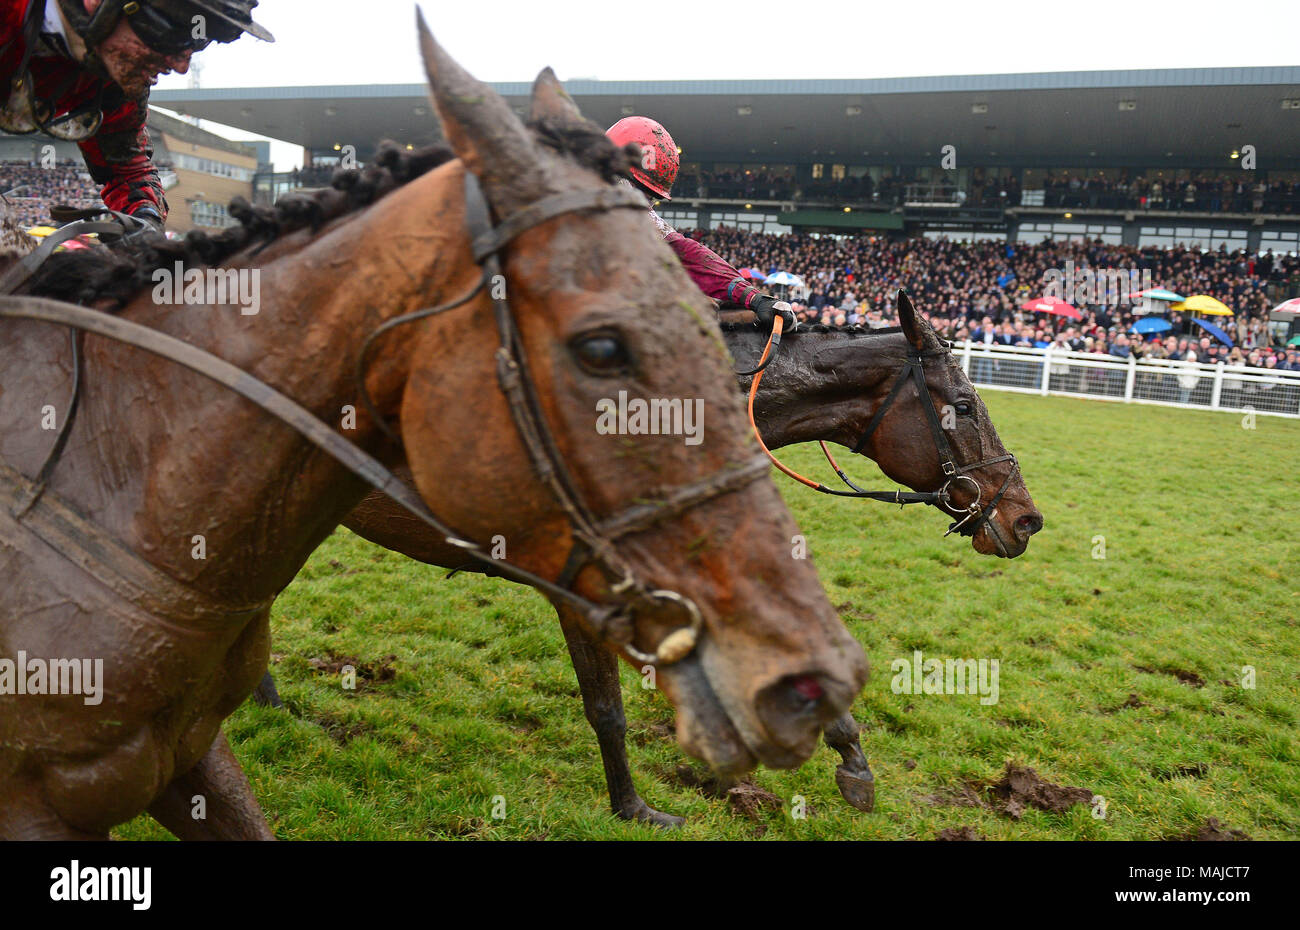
point(179, 510)
point(823, 385)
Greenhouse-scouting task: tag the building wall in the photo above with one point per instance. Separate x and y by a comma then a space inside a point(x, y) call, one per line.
point(202, 191)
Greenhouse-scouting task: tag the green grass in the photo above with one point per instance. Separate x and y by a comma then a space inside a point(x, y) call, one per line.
point(1201, 576)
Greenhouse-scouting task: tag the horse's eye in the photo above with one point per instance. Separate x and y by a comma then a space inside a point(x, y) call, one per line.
point(601, 353)
point(963, 409)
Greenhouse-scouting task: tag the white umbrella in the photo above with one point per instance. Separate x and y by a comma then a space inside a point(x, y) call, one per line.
point(784, 277)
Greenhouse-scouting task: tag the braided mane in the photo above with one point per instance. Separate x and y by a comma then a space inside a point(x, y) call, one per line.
point(119, 271)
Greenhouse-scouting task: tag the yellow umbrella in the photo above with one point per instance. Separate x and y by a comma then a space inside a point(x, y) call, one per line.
point(40, 232)
point(1204, 303)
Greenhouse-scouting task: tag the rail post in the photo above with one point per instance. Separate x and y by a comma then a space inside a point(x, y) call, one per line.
point(1047, 371)
point(1218, 387)
point(1132, 376)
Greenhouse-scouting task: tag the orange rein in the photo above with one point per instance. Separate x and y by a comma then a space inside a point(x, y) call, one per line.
point(778, 324)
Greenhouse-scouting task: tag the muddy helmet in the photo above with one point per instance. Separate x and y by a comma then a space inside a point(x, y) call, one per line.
point(169, 27)
point(660, 159)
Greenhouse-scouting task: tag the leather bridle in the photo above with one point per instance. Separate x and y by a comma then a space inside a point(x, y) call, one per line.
point(593, 537)
point(913, 371)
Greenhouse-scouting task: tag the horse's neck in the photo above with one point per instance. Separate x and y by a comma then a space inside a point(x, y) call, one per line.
point(213, 490)
point(808, 395)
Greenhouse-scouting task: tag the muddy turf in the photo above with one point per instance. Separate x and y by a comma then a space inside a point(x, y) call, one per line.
point(1149, 694)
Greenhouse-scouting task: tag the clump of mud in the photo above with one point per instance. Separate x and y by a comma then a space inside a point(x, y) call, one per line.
point(1183, 675)
point(958, 834)
point(1021, 787)
point(381, 669)
point(1212, 831)
point(749, 800)
point(743, 797)
point(1018, 789)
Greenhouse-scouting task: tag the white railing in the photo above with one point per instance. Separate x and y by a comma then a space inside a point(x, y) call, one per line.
point(1148, 381)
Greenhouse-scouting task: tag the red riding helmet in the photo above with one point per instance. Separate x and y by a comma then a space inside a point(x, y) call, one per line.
point(659, 157)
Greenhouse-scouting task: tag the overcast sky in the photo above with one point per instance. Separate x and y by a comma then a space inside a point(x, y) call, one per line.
point(373, 41)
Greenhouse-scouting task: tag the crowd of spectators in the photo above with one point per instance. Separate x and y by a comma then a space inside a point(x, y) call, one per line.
point(32, 189)
point(975, 291)
point(1201, 193)
point(783, 185)
point(317, 174)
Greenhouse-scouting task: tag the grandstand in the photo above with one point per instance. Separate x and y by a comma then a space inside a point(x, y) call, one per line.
point(965, 189)
point(31, 188)
point(1200, 156)
point(200, 171)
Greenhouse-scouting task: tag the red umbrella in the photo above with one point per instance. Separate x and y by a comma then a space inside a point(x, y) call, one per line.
point(1053, 305)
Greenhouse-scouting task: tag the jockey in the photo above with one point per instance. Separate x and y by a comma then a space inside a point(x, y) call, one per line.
point(80, 71)
point(654, 177)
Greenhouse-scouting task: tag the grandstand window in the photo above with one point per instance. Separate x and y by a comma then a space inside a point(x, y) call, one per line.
point(954, 235)
point(837, 172)
point(1149, 236)
point(1233, 239)
point(680, 219)
point(1206, 238)
point(1279, 241)
point(1068, 232)
point(203, 213)
point(211, 166)
point(817, 171)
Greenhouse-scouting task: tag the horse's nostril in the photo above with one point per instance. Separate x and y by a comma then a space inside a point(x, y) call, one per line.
point(808, 687)
point(1029, 524)
point(790, 706)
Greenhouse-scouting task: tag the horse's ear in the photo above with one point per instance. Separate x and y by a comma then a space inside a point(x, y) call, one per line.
point(914, 327)
point(552, 101)
point(482, 129)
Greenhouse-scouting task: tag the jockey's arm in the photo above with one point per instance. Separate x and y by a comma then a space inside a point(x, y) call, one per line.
point(120, 159)
point(717, 279)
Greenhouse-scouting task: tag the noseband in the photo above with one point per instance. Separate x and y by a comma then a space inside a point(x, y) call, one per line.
point(913, 371)
point(593, 538)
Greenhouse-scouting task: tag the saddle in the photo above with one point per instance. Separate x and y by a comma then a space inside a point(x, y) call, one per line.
point(75, 221)
point(16, 269)
point(64, 214)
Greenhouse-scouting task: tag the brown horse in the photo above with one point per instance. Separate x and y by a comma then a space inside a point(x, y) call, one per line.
point(823, 385)
point(179, 511)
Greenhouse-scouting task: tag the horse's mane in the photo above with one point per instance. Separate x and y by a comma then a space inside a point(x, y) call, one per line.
point(811, 329)
point(121, 270)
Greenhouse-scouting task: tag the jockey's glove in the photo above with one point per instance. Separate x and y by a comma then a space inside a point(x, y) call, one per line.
point(151, 216)
point(765, 308)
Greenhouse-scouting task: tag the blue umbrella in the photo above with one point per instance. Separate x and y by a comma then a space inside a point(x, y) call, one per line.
point(1152, 324)
point(1214, 331)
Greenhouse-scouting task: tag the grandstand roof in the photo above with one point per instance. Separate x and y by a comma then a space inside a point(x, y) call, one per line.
point(1181, 117)
point(185, 132)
